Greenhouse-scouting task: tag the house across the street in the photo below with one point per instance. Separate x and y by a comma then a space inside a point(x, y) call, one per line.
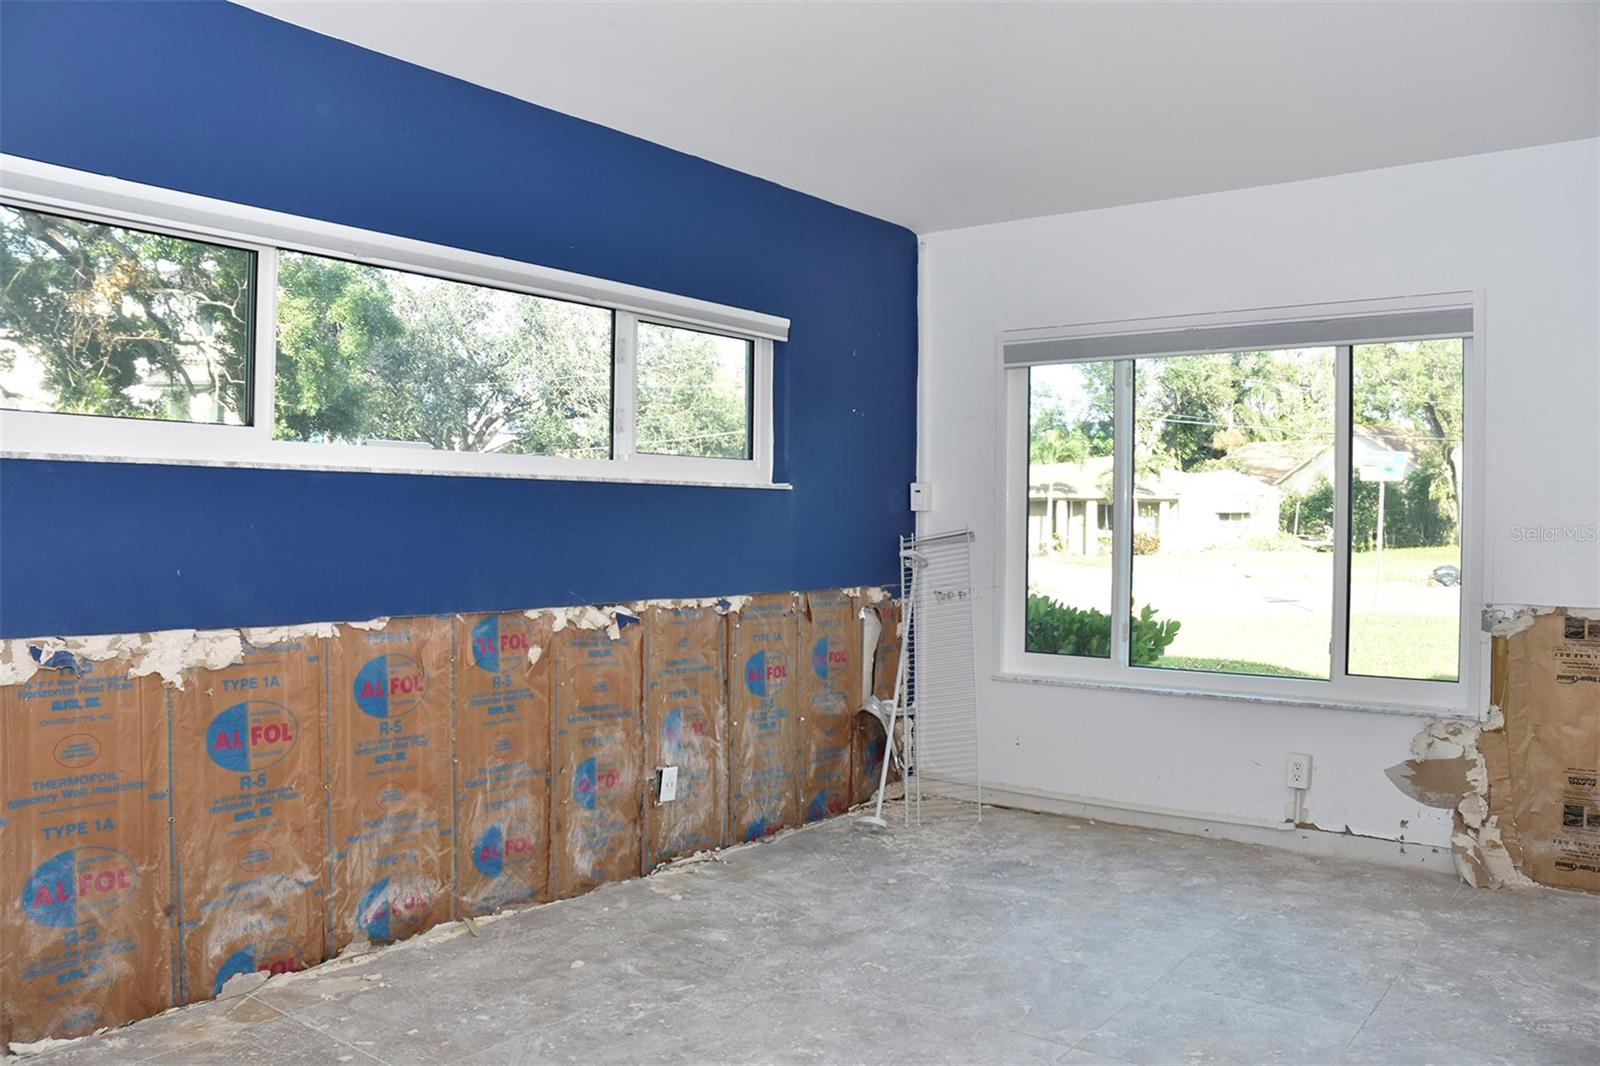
point(1070, 511)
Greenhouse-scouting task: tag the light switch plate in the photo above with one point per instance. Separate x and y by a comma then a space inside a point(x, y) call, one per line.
point(669, 785)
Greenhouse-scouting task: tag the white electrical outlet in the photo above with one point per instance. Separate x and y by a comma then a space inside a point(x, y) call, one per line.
point(1299, 770)
point(669, 785)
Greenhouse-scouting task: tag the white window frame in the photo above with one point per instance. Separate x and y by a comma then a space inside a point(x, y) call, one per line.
point(1464, 698)
point(27, 183)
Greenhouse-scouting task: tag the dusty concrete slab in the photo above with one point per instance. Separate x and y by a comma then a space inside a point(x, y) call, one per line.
point(1030, 938)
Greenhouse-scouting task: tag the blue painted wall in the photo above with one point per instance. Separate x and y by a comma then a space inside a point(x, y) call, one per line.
point(217, 100)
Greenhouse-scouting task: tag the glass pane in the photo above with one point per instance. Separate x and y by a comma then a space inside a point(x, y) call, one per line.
point(693, 393)
point(1405, 510)
point(1233, 476)
point(1069, 509)
point(102, 320)
point(370, 354)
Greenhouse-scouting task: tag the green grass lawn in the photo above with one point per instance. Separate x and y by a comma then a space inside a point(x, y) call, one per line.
point(1269, 612)
point(1403, 564)
point(1404, 645)
point(1228, 666)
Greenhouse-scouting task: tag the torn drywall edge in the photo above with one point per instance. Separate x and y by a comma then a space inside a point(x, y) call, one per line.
point(720, 604)
point(167, 652)
point(21, 659)
point(1504, 622)
point(584, 617)
point(1481, 857)
point(267, 636)
point(1509, 619)
point(170, 652)
point(607, 617)
point(872, 594)
point(1476, 843)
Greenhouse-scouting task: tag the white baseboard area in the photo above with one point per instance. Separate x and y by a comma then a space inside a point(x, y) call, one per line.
point(1434, 858)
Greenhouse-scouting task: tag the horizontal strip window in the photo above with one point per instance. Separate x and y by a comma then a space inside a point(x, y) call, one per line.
point(1288, 517)
point(136, 326)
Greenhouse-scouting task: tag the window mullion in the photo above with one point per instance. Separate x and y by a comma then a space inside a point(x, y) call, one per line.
point(1342, 416)
point(624, 384)
point(1122, 513)
point(762, 444)
point(264, 345)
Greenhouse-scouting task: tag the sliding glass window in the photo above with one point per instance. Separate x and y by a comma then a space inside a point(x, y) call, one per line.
point(374, 356)
point(1287, 515)
point(97, 319)
point(147, 325)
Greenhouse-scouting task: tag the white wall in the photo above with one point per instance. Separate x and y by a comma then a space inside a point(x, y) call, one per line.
point(1522, 226)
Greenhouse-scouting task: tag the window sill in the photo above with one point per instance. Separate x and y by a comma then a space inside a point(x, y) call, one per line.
point(425, 471)
point(1329, 703)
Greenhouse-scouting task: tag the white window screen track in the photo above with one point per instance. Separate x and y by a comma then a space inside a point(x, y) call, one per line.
point(941, 681)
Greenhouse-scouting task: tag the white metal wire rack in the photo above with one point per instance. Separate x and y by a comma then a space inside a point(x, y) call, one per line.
point(941, 683)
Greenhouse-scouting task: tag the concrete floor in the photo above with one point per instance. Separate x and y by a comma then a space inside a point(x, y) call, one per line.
point(1031, 939)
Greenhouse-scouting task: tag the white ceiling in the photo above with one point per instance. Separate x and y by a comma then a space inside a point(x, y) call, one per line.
point(940, 115)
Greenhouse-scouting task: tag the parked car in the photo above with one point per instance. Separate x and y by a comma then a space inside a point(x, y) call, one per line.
point(1321, 541)
point(1447, 575)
